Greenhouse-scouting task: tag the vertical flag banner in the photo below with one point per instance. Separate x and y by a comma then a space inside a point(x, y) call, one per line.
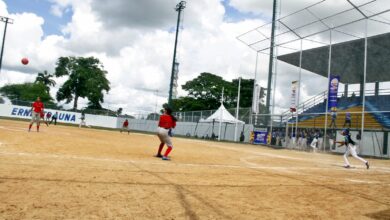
point(293, 106)
point(332, 92)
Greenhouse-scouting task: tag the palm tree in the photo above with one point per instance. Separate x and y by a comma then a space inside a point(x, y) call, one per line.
point(45, 79)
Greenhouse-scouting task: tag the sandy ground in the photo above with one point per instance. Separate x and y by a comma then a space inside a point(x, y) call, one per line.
point(70, 173)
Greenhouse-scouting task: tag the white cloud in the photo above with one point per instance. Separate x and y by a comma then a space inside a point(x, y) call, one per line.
point(136, 46)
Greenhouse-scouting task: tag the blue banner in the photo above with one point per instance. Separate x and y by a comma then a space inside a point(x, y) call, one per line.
point(332, 92)
point(260, 137)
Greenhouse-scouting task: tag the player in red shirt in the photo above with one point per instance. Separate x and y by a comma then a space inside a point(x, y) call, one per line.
point(164, 132)
point(36, 111)
point(125, 126)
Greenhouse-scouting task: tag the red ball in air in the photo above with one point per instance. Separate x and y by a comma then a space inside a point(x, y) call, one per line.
point(25, 61)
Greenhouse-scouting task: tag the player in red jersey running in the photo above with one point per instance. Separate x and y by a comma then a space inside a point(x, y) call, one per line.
point(36, 110)
point(164, 132)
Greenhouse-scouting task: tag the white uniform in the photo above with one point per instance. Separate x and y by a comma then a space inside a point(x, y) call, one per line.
point(351, 149)
point(314, 142)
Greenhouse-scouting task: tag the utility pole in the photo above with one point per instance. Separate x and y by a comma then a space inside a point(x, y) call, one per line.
point(271, 58)
point(179, 7)
point(6, 21)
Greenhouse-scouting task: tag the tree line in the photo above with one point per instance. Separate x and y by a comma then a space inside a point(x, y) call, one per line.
point(86, 78)
point(205, 93)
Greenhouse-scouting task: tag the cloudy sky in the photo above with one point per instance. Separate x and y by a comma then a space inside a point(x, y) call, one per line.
point(134, 40)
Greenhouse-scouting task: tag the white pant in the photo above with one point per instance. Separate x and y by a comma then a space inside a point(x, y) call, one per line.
point(35, 117)
point(314, 143)
point(82, 122)
point(162, 134)
point(352, 149)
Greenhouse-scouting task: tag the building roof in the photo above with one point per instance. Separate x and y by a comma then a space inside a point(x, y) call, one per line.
point(348, 60)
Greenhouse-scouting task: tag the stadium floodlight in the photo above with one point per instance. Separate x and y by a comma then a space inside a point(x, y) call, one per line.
point(179, 7)
point(7, 21)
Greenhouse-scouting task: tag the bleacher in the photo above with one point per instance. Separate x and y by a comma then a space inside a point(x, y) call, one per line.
point(376, 114)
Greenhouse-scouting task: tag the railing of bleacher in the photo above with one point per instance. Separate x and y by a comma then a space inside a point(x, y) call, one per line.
point(321, 98)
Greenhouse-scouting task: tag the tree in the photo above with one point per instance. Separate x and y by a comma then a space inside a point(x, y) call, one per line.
point(87, 79)
point(45, 79)
point(119, 111)
point(246, 92)
point(205, 91)
point(26, 92)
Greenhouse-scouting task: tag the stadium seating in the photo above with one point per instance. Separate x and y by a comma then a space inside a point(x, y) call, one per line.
point(377, 118)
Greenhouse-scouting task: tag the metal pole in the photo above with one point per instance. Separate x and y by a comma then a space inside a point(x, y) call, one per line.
point(238, 108)
point(327, 98)
point(274, 89)
point(271, 57)
point(299, 91)
point(255, 104)
point(179, 7)
point(6, 21)
point(276, 73)
point(364, 81)
point(220, 117)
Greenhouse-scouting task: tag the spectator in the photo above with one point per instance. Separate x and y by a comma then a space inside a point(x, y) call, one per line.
point(347, 120)
point(334, 117)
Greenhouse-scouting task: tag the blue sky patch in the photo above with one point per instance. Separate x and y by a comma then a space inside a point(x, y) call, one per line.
point(52, 25)
point(233, 15)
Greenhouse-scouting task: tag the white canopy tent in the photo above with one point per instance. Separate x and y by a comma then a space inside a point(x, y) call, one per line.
point(222, 116)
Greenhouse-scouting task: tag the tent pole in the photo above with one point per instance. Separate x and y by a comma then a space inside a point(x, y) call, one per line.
point(220, 117)
point(237, 109)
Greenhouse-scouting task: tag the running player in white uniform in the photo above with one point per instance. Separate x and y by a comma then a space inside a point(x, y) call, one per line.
point(350, 148)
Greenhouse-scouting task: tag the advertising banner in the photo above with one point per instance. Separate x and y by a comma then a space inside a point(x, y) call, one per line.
point(260, 137)
point(332, 92)
point(293, 106)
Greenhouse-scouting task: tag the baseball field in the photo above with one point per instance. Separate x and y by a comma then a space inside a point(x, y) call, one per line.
point(66, 172)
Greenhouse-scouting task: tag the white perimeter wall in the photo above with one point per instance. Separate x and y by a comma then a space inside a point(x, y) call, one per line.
point(372, 143)
point(191, 129)
point(15, 111)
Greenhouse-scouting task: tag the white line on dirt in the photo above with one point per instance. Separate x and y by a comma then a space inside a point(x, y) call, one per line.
point(170, 163)
point(13, 129)
point(362, 181)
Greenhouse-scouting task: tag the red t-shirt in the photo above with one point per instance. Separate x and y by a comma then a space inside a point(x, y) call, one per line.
point(125, 124)
point(167, 122)
point(37, 107)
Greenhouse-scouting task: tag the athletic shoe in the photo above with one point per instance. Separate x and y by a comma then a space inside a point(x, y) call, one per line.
point(347, 166)
point(367, 165)
point(165, 158)
point(158, 155)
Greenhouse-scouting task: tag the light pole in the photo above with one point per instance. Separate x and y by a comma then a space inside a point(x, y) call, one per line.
point(179, 7)
point(271, 58)
point(6, 21)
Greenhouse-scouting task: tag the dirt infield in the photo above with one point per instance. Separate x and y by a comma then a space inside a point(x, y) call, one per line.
point(71, 173)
